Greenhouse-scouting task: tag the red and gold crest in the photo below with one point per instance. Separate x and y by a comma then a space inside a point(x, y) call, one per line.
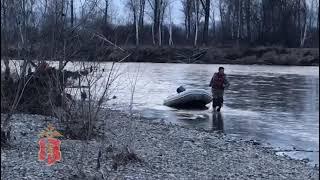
point(49, 146)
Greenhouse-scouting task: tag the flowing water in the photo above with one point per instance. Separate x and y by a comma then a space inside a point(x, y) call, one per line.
point(276, 105)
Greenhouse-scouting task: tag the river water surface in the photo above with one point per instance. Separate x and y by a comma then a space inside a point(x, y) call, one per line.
point(275, 105)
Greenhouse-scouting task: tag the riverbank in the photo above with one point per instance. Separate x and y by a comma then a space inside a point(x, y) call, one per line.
point(201, 55)
point(242, 56)
point(163, 151)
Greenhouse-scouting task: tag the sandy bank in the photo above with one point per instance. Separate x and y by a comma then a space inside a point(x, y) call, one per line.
point(166, 152)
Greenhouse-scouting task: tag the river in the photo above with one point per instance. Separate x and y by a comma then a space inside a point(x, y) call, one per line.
point(275, 105)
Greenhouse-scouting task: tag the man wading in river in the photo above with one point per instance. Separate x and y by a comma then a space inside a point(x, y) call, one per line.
point(218, 82)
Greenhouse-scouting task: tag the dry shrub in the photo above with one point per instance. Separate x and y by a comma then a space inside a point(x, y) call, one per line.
point(123, 158)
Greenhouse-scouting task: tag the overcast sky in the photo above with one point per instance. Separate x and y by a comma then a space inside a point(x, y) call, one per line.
point(119, 9)
point(120, 13)
point(177, 15)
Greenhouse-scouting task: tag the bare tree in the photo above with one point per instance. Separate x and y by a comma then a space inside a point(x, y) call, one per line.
point(248, 20)
point(141, 18)
point(170, 24)
point(157, 23)
point(23, 12)
point(318, 18)
point(311, 14)
point(158, 9)
point(213, 20)
point(206, 7)
point(304, 31)
point(188, 9)
point(222, 13)
point(196, 4)
point(4, 42)
point(133, 84)
point(106, 12)
point(239, 22)
point(291, 23)
point(71, 13)
point(135, 9)
point(155, 7)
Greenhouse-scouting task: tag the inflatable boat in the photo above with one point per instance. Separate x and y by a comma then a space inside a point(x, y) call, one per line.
point(193, 98)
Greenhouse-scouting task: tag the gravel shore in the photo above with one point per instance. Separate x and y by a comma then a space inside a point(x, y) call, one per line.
point(163, 151)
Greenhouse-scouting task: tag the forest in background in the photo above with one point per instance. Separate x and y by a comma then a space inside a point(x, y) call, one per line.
point(273, 32)
point(52, 29)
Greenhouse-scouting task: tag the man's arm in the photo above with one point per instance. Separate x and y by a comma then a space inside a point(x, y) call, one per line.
point(212, 80)
point(226, 82)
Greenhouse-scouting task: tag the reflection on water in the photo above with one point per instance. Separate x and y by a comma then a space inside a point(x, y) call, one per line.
point(210, 121)
point(275, 105)
point(217, 122)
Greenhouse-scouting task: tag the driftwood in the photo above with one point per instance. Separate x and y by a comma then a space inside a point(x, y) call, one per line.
point(44, 89)
point(191, 56)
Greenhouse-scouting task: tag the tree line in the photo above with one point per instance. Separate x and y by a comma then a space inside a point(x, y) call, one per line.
point(53, 26)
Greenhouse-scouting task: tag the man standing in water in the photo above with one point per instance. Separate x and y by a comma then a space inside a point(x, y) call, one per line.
point(218, 83)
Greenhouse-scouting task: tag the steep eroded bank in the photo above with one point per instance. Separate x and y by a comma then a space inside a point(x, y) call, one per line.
point(202, 55)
